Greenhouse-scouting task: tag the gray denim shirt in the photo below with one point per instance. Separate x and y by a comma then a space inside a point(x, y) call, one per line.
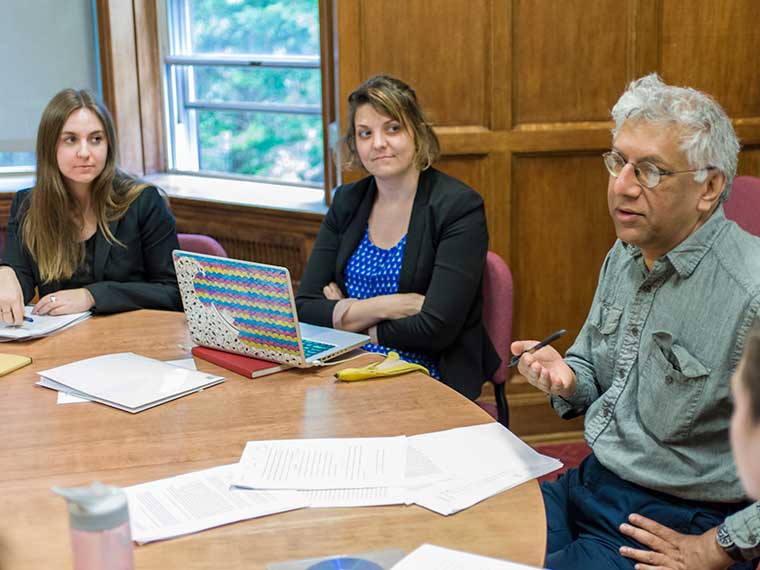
point(654, 362)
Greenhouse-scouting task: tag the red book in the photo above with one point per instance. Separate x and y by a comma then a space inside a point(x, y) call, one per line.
point(243, 365)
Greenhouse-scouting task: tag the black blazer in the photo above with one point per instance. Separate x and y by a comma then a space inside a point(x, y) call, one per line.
point(445, 253)
point(138, 276)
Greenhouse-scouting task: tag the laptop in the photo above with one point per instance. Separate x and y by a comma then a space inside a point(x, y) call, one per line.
point(248, 308)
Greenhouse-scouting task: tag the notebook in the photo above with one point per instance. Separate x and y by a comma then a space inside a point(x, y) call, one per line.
point(35, 326)
point(248, 308)
point(11, 362)
point(243, 365)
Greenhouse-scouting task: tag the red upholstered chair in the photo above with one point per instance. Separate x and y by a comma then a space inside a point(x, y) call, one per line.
point(497, 318)
point(570, 454)
point(743, 204)
point(199, 243)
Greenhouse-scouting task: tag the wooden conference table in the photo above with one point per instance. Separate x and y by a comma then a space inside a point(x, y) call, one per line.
point(44, 444)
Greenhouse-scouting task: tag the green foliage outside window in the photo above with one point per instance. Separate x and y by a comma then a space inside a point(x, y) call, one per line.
point(282, 146)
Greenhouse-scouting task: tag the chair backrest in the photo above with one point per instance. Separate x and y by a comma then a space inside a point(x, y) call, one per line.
point(743, 204)
point(199, 243)
point(497, 310)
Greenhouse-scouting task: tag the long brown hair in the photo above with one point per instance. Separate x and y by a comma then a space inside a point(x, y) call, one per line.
point(394, 98)
point(53, 220)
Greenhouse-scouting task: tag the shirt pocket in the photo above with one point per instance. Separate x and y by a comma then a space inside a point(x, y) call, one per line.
point(670, 389)
point(605, 322)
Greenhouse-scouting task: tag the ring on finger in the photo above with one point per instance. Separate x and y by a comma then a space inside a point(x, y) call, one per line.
point(52, 298)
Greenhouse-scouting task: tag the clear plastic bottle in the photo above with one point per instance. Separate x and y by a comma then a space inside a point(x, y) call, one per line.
point(99, 520)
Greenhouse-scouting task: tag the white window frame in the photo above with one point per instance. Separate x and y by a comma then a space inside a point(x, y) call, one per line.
point(183, 152)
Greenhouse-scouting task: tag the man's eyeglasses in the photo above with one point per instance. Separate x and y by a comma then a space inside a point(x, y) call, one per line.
point(647, 174)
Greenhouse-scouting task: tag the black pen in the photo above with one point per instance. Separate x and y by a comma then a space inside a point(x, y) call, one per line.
point(548, 340)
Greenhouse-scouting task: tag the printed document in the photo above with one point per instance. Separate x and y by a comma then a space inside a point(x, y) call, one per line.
point(420, 472)
point(367, 497)
point(335, 463)
point(479, 461)
point(197, 501)
point(431, 557)
point(39, 325)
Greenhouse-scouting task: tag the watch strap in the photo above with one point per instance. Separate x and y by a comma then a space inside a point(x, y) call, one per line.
point(725, 541)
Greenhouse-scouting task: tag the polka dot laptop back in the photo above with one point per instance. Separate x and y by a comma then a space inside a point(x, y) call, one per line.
point(239, 306)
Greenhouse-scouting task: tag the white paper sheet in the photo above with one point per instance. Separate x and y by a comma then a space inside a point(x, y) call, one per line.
point(369, 497)
point(479, 462)
point(66, 398)
point(126, 381)
point(39, 325)
point(431, 557)
point(334, 463)
point(420, 471)
point(197, 501)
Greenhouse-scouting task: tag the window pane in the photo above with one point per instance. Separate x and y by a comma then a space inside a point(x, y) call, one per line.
point(282, 147)
point(255, 26)
point(258, 85)
point(17, 159)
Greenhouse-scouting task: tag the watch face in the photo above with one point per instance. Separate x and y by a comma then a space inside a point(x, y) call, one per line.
point(723, 537)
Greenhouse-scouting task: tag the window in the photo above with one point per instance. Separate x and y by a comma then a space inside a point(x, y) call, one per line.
point(31, 76)
point(244, 89)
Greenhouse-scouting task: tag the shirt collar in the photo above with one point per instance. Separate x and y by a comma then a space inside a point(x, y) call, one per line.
point(686, 255)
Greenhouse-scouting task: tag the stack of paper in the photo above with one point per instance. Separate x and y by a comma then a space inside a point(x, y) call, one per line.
point(39, 325)
point(196, 501)
point(67, 398)
point(444, 471)
point(431, 557)
point(479, 462)
point(126, 381)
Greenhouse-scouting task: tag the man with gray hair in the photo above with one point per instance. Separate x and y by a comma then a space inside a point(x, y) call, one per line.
point(651, 367)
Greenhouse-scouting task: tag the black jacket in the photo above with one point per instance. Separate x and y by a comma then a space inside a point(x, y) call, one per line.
point(138, 276)
point(445, 253)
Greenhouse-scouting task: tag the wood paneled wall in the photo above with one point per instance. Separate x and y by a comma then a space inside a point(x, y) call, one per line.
point(520, 92)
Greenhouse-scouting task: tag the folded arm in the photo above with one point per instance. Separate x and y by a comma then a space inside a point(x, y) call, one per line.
point(455, 282)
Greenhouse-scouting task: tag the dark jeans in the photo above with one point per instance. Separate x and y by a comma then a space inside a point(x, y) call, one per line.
point(585, 507)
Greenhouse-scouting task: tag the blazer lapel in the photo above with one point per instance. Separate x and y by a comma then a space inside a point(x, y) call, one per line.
point(102, 249)
point(415, 233)
point(355, 229)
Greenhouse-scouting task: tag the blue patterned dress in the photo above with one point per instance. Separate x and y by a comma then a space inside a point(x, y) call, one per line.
point(371, 272)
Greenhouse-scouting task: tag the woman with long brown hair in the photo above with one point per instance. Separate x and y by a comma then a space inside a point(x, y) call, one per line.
point(401, 253)
point(87, 236)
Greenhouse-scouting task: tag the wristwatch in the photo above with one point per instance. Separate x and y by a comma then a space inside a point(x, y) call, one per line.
point(727, 544)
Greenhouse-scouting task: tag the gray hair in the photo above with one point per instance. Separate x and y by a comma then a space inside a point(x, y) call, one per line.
point(707, 135)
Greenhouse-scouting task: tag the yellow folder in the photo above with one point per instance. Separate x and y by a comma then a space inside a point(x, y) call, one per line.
point(11, 362)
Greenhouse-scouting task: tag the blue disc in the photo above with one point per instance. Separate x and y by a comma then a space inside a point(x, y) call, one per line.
point(345, 564)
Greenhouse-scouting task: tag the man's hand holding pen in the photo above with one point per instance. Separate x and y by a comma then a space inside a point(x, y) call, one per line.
point(544, 367)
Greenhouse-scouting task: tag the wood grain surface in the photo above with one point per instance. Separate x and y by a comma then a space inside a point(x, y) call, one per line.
point(44, 444)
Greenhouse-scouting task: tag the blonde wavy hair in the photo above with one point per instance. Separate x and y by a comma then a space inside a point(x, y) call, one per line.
point(395, 99)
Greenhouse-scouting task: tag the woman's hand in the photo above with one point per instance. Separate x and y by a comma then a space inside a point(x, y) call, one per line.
point(361, 314)
point(65, 302)
point(11, 297)
point(332, 292)
point(402, 305)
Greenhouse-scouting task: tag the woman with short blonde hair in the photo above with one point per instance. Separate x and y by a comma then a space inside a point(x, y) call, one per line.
point(401, 253)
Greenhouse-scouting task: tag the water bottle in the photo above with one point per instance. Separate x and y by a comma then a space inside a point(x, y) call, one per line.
point(99, 521)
